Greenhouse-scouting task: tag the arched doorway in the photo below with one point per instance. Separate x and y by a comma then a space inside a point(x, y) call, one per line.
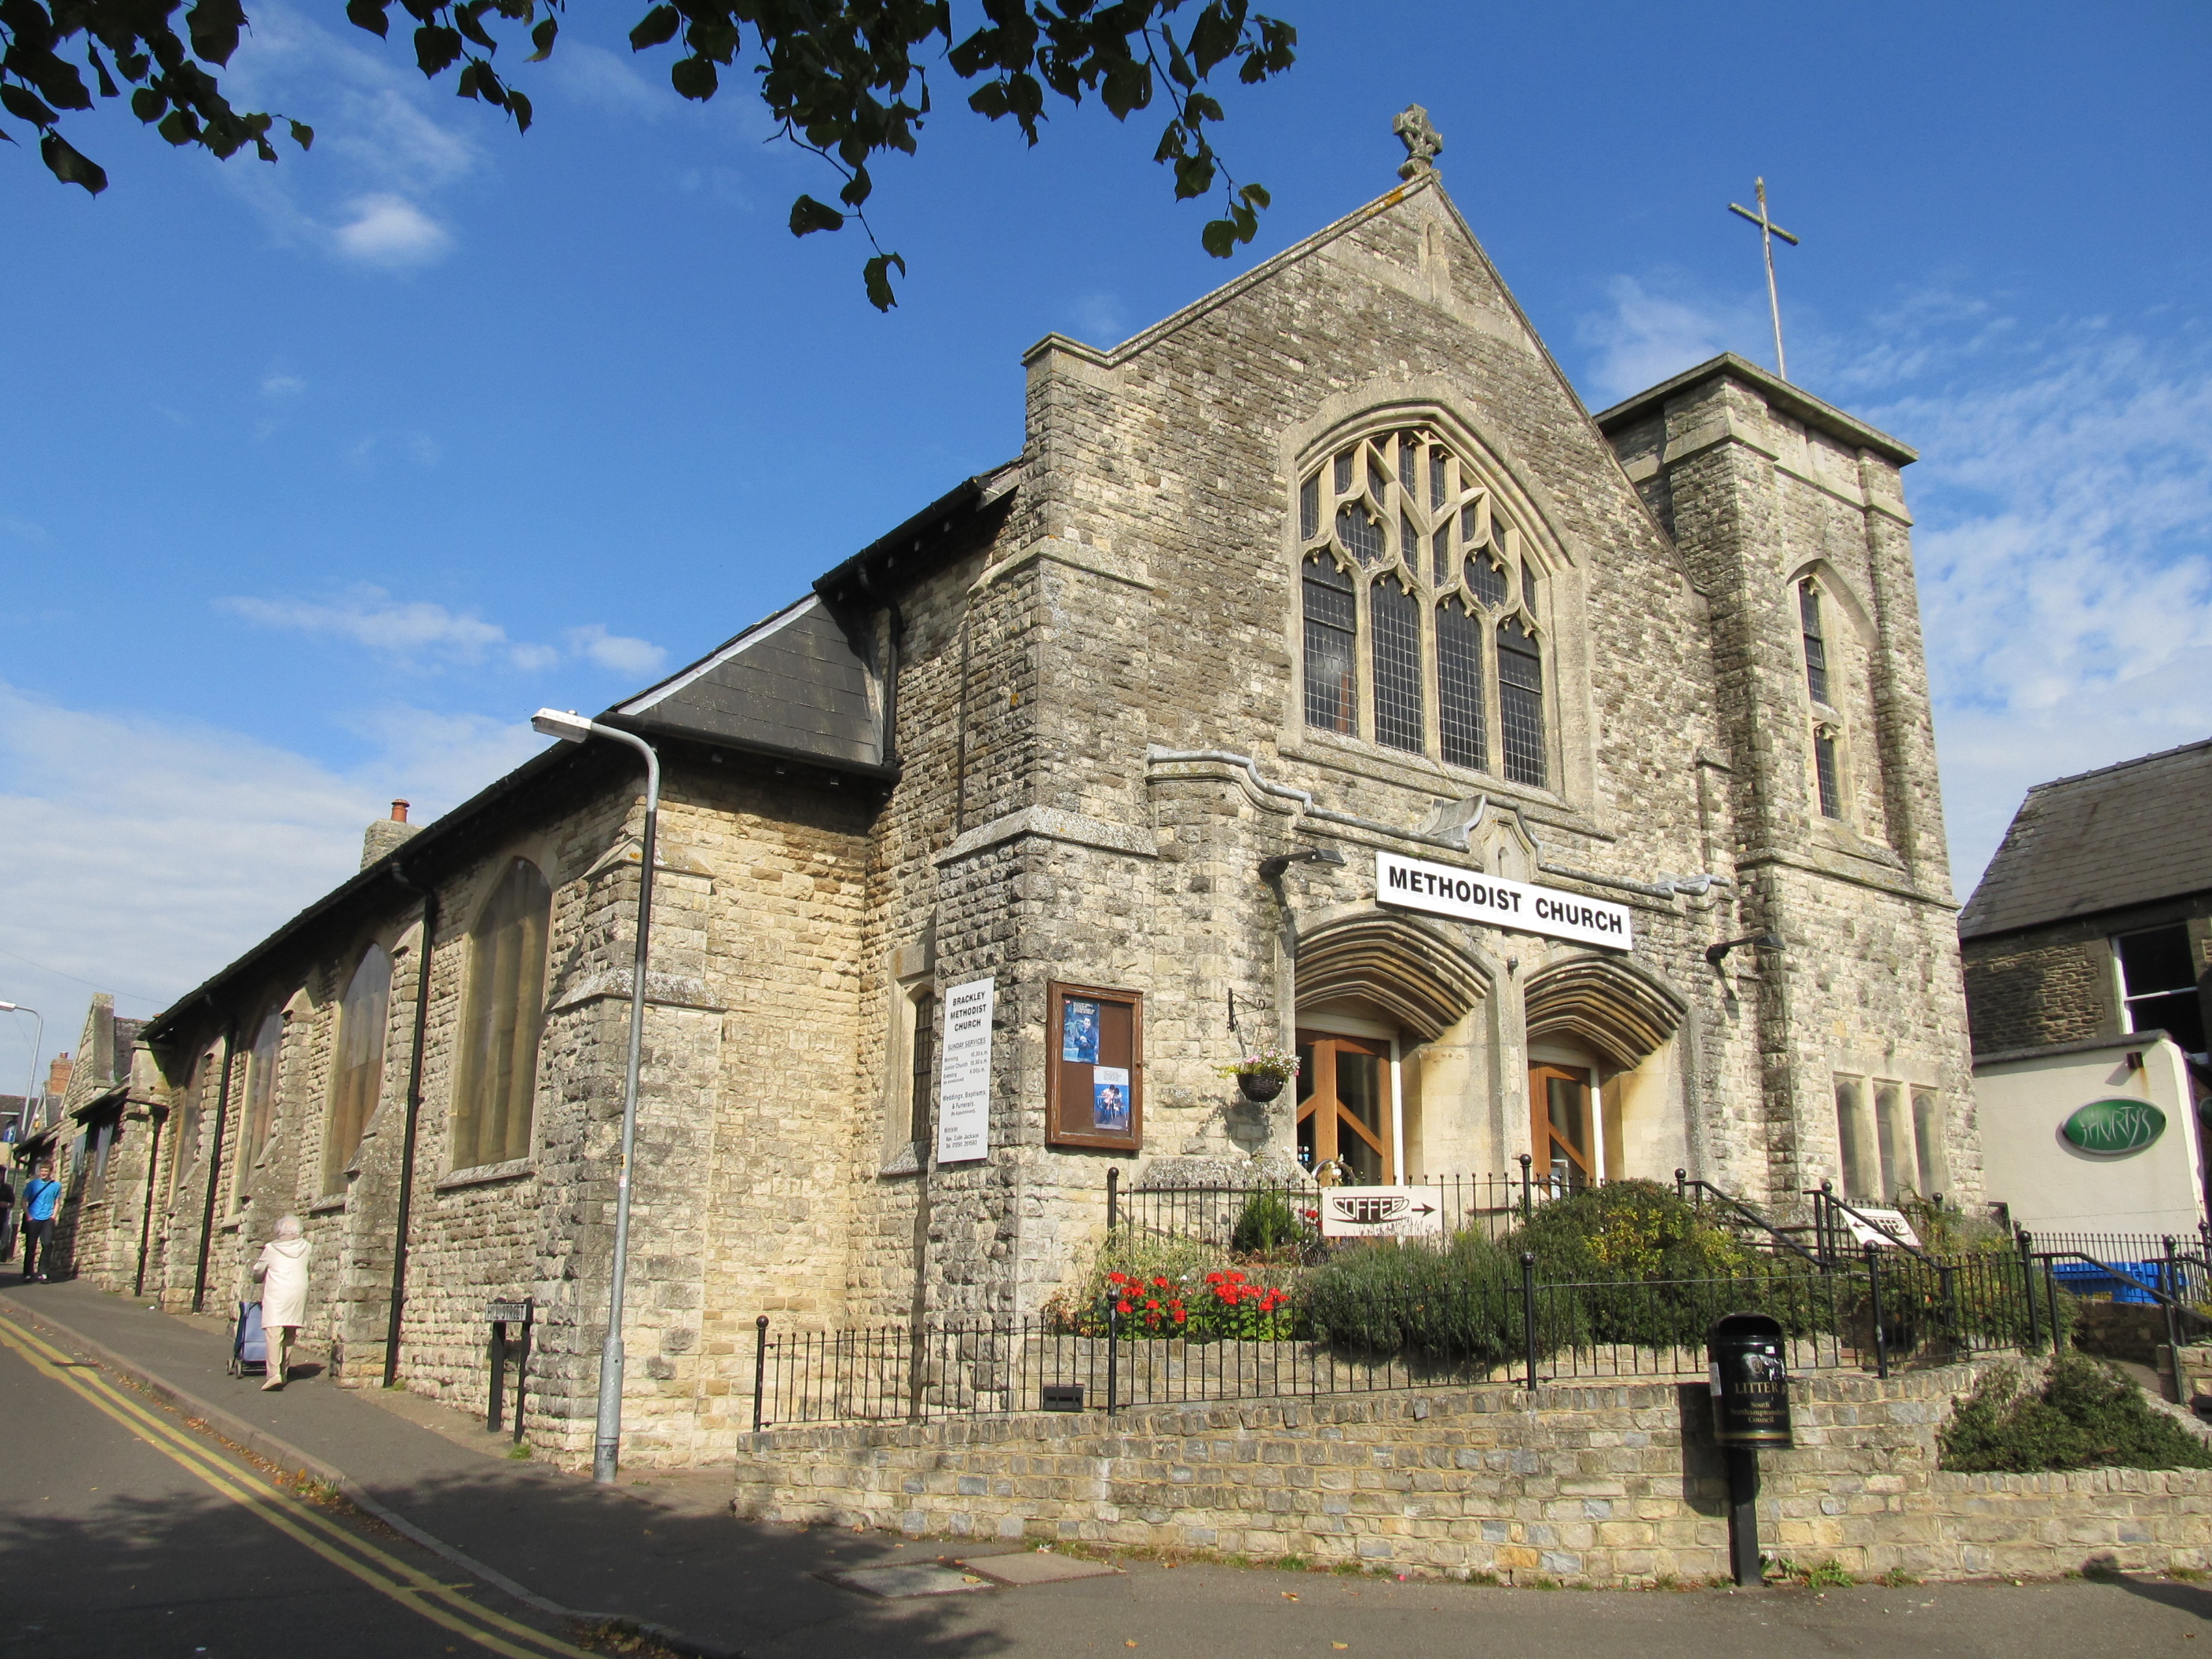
point(1349, 1107)
point(1601, 1102)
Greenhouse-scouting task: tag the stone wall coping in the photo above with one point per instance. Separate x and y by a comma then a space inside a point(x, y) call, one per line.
point(1050, 824)
point(487, 1175)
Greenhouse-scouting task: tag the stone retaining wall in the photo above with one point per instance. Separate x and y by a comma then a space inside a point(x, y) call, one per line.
point(1600, 1484)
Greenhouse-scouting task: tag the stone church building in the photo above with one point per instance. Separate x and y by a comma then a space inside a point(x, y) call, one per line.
point(1321, 673)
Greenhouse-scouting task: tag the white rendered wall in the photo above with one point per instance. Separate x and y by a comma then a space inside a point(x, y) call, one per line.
point(2051, 1185)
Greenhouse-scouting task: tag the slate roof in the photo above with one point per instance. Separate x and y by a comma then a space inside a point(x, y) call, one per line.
point(796, 683)
point(2130, 834)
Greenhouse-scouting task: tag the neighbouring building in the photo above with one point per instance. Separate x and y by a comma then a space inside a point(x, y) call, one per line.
point(2088, 938)
point(1320, 671)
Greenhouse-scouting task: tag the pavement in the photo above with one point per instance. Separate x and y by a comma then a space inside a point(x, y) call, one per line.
point(106, 1550)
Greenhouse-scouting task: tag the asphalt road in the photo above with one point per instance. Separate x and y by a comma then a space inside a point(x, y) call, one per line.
point(122, 1532)
point(137, 1537)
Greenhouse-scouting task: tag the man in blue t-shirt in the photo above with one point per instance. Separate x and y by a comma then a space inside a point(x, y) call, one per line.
point(42, 1196)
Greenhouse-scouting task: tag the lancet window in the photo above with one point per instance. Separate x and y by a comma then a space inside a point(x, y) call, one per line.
point(1423, 609)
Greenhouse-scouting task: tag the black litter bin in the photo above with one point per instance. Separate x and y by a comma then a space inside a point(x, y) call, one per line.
point(1750, 1380)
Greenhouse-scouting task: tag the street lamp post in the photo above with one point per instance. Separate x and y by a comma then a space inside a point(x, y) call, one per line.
point(572, 727)
point(38, 1042)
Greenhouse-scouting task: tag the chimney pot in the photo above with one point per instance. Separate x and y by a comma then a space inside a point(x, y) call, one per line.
point(399, 811)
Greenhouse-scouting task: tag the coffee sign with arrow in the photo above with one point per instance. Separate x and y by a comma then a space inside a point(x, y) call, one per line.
point(1381, 1211)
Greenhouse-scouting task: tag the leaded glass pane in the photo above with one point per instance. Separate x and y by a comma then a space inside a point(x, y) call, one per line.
point(1409, 545)
point(1440, 555)
point(1344, 472)
point(1486, 579)
point(1816, 647)
point(1521, 703)
point(1310, 508)
point(1824, 768)
point(1330, 633)
point(1397, 654)
point(1436, 490)
point(1362, 535)
point(1409, 462)
point(1460, 726)
point(1528, 586)
point(1377, 480)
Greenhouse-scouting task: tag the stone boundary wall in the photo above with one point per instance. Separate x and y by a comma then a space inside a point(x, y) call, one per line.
point(1590, 1485)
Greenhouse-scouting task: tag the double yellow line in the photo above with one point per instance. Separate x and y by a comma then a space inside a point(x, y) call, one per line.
point(386, 1574)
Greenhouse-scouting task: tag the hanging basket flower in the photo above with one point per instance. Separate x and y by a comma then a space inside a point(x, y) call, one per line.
point(1261, 1074)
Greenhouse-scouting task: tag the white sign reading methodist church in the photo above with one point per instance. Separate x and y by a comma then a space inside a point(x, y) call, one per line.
point(1470, 896)
point(963, 1074)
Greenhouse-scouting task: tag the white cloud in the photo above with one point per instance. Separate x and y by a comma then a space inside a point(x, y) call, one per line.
point(24, 530)
point(145, 853)
point(391, 231)
point(616, 651)
point(594, 76)
point(1645, 335)
point(282, 385)
point(369, 616)
point(419, 630)
point(1101, 319)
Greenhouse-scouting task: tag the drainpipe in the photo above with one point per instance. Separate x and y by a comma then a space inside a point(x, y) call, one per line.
point(155, 1116)
point(214, 1164)
point(414, 1117)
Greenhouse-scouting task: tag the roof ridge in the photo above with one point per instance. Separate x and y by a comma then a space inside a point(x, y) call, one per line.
point(2119, 765)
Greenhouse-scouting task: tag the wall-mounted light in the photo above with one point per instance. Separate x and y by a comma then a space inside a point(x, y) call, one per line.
point(1271, 869)
point(1717, 954)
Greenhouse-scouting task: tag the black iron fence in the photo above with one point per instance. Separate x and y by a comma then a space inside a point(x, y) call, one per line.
point(1876, 1310)
point(1262, 1215)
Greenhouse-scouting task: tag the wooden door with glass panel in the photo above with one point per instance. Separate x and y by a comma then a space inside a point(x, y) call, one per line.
point(1562, 1126)
point(1344, 1105)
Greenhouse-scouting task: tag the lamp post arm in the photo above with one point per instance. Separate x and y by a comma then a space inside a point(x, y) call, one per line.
point(607, 1444)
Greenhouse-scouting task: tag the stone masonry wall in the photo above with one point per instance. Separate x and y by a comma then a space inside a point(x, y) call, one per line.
point(1598, 1485)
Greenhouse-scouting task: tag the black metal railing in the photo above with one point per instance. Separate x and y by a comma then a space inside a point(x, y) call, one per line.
point(1875, 1310)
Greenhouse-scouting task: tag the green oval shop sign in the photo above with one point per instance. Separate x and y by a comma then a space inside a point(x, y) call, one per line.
point(2113, 1128)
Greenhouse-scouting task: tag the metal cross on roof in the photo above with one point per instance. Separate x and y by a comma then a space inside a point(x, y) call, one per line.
point(1424, 143)
point(1768, 230)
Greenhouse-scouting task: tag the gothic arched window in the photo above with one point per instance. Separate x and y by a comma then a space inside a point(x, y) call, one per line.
point(357, 1068)
point(1401, 539)
point(501, 1020)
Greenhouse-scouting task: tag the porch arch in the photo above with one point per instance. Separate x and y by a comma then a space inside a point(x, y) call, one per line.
point(1598, 1003)
point(1421, 979)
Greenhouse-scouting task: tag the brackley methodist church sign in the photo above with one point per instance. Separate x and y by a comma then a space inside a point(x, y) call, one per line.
point(1470, 896)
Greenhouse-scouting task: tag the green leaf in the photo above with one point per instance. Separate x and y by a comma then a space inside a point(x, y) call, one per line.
point(876, 274)
point(541, 38)
point(214, 27)
point(809, 216)
point(1257, 196)
point(147, 104)
point(108, 86)
point(25, 107)
point(693, 76)
point(518, 108)
point(1218, 238)
point(369, 14)
point(179, 127)
point(303, 135)
point(656, 27)
point(64, 160)
point(437, 47)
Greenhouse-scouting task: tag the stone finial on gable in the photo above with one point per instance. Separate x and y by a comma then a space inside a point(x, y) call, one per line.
point(1424, 143)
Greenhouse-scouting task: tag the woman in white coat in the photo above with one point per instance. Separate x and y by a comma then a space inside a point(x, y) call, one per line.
point(282, 1273)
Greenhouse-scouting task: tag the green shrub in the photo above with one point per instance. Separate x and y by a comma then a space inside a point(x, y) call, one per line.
point(1080, 1307)
point(1269, 1222)
point(1460, 1302)
point(1628, 1229)
point(2086, 1415)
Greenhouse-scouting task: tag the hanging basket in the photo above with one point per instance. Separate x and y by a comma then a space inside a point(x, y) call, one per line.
point(1259, 1087)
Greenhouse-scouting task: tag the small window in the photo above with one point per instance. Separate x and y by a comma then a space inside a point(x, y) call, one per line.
point(1816, 645)
point(357, 1068)
point(185, 1127)
point(1094, 1070)
point(2158, 978)
point(500, 1022)
point(920, 1073)
point(1893, 1123)
point(1826, 774)
point(1330, 633)
point(1857, 1154)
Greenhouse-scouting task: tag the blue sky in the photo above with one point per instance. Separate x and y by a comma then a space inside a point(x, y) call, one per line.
point(316, 478)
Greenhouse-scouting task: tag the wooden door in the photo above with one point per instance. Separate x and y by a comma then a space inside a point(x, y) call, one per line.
point(1344, 1105)
point(1562, 1126)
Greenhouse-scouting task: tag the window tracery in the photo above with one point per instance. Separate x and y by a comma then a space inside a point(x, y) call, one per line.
point(1402, 540)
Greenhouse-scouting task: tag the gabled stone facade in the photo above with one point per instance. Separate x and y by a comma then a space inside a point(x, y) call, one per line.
point(1048, 731)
